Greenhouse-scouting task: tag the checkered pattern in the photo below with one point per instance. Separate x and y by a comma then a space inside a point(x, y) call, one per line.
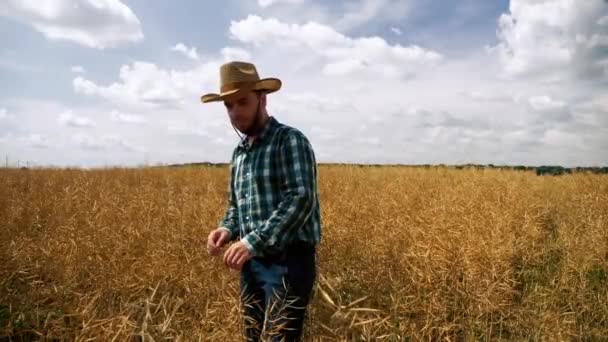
point(272, 193)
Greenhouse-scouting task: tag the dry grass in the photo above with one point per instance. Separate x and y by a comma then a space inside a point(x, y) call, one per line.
point(424, 254)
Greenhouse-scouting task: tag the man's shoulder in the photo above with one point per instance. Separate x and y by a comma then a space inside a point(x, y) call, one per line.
point(285, 131)
point(293, 139)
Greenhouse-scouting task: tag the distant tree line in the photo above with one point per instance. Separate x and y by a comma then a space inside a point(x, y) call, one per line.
point(551, 170)
point(199, 164)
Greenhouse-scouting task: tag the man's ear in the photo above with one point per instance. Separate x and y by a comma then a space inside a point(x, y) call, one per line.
point(262, 97)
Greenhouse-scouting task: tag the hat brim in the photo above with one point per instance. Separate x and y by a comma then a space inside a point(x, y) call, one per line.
point(268, 85)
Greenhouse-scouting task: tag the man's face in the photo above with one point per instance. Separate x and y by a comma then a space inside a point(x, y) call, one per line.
point(241, 109)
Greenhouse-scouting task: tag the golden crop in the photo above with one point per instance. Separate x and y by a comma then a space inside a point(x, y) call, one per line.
point(424, 254)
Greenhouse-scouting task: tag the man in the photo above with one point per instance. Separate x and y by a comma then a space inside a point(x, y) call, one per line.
point(273, 209)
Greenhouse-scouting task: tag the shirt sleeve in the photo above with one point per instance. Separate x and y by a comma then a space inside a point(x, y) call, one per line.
point(297, 163)
point(230, 221)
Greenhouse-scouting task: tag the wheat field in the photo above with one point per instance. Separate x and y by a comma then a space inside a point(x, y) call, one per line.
point(407, 253)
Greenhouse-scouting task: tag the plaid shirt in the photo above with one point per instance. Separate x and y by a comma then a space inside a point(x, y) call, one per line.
point(272, 193)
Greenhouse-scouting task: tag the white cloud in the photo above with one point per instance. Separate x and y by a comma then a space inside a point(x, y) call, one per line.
point(36, 141)
point(222, 141)
point(357, 13)
point(594, 113)
point(5, 138)
point(144, 84)
point(180, 128)
point(603, 21)
point(555, 137)
point(234, 53)
point(545, 103)
point(78, 69)
point(92, 23)
point(105, 142)
point(593, 41)
point(342, 55)
point(89, 143)
point(117, 116)
point(343, 16)
point(359, 99)
point(267, 3)
point(3, 113)
point(188, 52)
point(123, 144)
point(554, 39)
point(485, 96)
point(69, 119)
point(547, 113)
point(396, 31)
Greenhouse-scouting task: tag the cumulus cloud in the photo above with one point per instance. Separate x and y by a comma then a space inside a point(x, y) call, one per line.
point(344, 16)
point(144, 84)
point(36, 141)
point(78, 69)
point(421, 107)
point(341, 54)
point(553, 39)
point(357, 13)
point(117, 116)
point(546, 112)
point(92, 23)
point(485, 96)
point(105, 142)
point(189, 52)
point(180, 128)
point(594, 113)
point(267, 3)
point(545, 103)
point(69, 119)
point(555, 137)
point(234, 53)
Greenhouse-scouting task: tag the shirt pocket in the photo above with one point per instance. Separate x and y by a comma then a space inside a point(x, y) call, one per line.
point(268, 178)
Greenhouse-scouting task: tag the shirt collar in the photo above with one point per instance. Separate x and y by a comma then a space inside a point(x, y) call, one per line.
point(265, 133)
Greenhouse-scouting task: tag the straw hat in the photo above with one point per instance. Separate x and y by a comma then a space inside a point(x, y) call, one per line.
point(236, 76)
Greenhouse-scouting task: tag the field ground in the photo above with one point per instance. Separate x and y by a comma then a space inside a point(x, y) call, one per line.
point(406, 254)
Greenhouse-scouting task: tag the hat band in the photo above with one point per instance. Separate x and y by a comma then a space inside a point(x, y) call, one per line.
point(237, 85)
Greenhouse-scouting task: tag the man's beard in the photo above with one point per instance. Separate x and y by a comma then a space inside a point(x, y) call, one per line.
point(257, 125)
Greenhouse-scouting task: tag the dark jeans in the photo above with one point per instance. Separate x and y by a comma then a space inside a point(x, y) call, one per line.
point(275, 292)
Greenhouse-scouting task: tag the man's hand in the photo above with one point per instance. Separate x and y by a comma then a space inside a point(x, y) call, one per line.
point(216, 240)
point(236, 255)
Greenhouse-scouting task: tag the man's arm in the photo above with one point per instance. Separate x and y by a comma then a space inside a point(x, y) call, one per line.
point(297, 162)
point(230, 221)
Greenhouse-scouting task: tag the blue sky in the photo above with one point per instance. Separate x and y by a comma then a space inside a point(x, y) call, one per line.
point(109, 82)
